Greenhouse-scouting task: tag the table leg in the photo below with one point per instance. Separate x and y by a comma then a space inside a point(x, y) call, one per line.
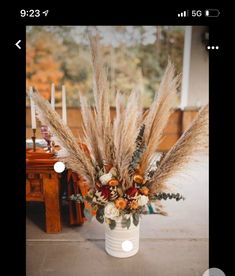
point(52, 204)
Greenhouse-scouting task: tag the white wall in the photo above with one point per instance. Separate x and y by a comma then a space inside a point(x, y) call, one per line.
point(195, 82)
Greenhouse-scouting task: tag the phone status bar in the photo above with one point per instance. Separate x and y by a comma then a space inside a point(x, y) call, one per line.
point(199, 13)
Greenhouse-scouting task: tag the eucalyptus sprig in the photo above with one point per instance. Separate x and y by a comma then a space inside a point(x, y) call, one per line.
point(165, 196)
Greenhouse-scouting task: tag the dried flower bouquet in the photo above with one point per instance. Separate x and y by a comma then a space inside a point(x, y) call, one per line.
point(121, 171)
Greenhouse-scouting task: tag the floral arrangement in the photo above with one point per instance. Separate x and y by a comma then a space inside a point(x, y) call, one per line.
point(121, 168)
point(111, 201)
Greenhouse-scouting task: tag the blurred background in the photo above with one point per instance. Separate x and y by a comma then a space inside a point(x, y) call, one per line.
point(135, 57)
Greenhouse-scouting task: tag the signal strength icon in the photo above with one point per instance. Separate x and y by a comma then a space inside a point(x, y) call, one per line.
point(182, 14)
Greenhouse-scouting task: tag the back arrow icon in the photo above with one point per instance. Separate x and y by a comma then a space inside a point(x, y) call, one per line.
point(17, 44)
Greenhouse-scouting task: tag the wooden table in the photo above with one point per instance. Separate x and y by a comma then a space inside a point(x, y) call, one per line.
point(43, 185)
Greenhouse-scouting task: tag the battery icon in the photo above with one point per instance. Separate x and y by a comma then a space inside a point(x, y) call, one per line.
point(212, 13)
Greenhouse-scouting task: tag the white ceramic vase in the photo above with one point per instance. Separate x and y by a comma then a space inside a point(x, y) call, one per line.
point(122, 242)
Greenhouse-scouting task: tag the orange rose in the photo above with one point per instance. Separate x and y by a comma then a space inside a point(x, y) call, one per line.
point(138, 179)
point(120, 203)
point(133, 204)
point(144, 190)
point(113, 182)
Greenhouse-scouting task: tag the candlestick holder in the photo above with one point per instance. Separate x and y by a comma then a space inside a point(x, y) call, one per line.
point(47, 136)
point(34, 139)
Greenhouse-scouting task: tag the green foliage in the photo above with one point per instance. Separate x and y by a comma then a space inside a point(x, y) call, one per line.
point(136, 217)
point(126, 222)
point(87, 214)
point(165, 196)
point(140, 147)
point(77, 197)
point(100, 214)
point(112, 224)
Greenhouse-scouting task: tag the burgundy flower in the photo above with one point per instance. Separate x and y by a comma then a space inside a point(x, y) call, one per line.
point(105, 191)
point(102, 195)
point(131, 193)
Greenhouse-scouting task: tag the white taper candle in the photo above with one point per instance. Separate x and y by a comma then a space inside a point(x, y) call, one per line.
point(64, 111)
point(33, 111)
